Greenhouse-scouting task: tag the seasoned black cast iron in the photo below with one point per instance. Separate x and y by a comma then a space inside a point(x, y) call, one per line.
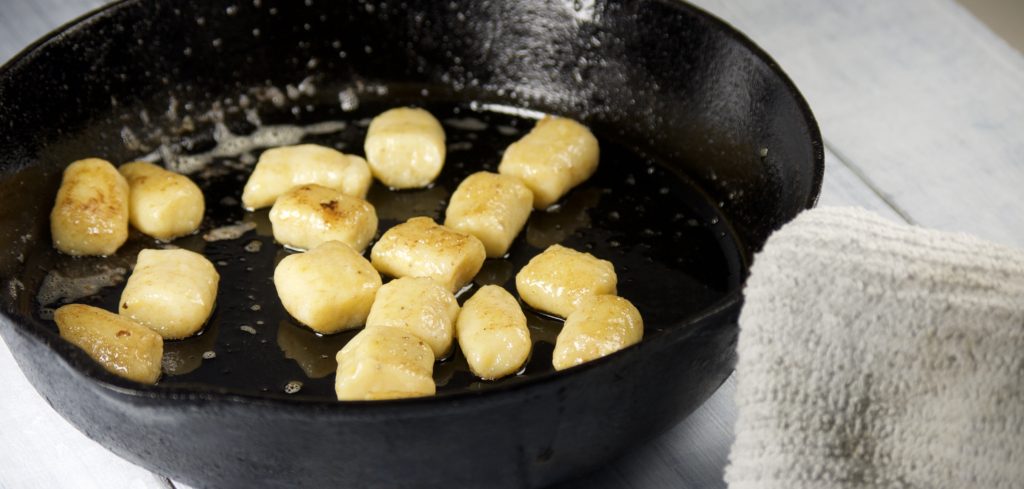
point(706, 148)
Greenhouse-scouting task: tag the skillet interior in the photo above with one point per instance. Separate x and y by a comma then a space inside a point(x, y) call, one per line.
point(657, 79)
point(674, 254)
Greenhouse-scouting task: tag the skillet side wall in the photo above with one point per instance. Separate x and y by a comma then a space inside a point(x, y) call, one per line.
point(527, 438)
point(660, 75)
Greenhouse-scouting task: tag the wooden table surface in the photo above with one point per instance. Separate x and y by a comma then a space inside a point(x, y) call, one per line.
point(921, 110)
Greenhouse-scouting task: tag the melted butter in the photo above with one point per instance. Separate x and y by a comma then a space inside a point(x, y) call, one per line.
point(230, 145)
point(58, 288)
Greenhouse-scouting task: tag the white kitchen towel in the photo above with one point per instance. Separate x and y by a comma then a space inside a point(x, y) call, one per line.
point(880, 355)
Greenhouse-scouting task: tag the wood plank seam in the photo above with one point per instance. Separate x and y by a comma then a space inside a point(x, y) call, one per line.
point(841, 159)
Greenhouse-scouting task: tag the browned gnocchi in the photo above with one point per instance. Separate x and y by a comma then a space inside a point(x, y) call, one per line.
point(280, 169)
point(557, 280)
point(557, 155)
point(600, 326)
point(492, 207)
point(384, 363)
point(122, 346)
point(492, 333)
point(420, 305)
point(90, 214)
point(308, 215)
point(420, 247)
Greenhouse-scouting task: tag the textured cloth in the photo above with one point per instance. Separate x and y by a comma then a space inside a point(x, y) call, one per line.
point(875, 354)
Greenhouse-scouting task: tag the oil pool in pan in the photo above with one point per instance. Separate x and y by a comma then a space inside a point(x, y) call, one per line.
point(672, 250)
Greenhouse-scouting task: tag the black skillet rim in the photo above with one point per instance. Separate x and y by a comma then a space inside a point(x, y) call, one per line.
point(77, 361)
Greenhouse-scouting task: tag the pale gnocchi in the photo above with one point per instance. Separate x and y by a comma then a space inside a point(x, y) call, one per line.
point(280, 169)
point(171, 292)
point(420, 247)
point(405, 148)
point(492, 333)
point(419, 305)
point(90, 214)
point(557, 280)
point(122, 346)
point(602, 325)
point(329, 288)
point(555, 156)
point(491, 207)
point(384, 363)
point(162, 204)
point(309, 215)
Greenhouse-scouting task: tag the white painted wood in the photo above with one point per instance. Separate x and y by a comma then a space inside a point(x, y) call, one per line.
point(843, 187)
point(24, 21)
point(917, 95)
point(39, 450)
point(691, 455)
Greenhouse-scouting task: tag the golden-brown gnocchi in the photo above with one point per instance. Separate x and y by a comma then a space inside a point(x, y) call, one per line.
point(171, 292)
point(329, 288)
point(280, 169)
point(309, 215)
point(384, 363)
point(405, 148)
point(122, 346)
point(557, 280)
point(492, 333)
point(491, 207)
point(420, 247)
point(557, 155)
point(419, 305)
point(90, 214)
point(602, 325)
point(162, 204)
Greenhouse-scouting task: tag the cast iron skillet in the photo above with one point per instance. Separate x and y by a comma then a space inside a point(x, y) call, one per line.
point(685, 106)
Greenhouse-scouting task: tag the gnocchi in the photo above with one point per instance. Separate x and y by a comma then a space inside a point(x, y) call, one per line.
point(171, 292)
point(280, 169)
point(420, 247)
point(492, 333)
point(329, 288)
point(384, 363)
point(405, 148)
point(555, 156)
point(309, 215)
point(162, 204)
point(557, 280)
point(90, 213)
point(419, 305)
point(122, 346)
point(602, 325)
point(492, 207)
